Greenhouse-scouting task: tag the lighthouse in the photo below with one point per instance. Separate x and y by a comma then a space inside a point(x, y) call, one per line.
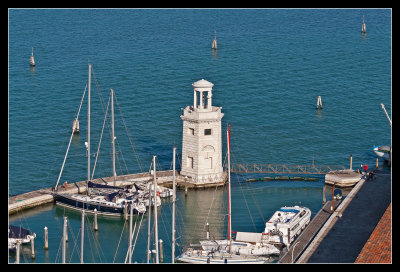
point(201, 138)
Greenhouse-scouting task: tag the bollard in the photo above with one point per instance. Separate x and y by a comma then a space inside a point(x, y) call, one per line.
point(125, 211)
point(32, 247)
point(351, 162)
point(46, 238)
point(208, 231)
point(17, 253)
point(319, 103)
point(96, 227)
point(161, 251)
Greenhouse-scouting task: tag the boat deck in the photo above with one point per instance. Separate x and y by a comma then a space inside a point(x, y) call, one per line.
point(307, 234)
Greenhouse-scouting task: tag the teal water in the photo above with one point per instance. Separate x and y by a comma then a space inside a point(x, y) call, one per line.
point(268, 71)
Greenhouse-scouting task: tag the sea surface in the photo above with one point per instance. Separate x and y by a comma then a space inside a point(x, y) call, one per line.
point(269, 69)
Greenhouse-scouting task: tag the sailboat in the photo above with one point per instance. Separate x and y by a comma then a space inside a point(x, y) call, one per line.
point(247, 248)
point(363, 27)
point(107, 200)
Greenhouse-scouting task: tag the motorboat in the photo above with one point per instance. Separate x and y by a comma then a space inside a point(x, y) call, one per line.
point(382, 151)
point(286, 224)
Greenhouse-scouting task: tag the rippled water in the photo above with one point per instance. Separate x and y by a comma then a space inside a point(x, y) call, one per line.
point(268, 71)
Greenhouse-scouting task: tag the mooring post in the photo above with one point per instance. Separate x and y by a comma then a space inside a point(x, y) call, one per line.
point(64, 240)
point(125, 211)
point(208, 231)
point(351, 162)
point(377, 162)
point(161, 251)
point(96, 227)
point(17, 253)
point(319, 103)
point(33, 247)
point(46, 238)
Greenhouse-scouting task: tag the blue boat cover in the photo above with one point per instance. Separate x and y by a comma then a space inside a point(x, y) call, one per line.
point(96, 185)
point(18, 232)
point(289, 210)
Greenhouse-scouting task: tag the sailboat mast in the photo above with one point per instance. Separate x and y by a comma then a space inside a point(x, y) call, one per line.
point(173, 205)
point(155, 208)
point(113, 135)
point(229, 186)
point(88, 135)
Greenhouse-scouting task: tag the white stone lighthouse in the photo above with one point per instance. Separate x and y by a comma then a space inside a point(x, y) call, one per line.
point(201, 138)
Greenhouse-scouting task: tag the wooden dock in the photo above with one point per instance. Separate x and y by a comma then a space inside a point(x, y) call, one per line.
point(308, 234)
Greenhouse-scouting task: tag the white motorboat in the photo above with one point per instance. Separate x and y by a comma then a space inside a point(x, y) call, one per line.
point(286, 224)
point(382, 151)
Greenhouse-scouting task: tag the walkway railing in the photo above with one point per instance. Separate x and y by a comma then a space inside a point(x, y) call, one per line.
point(285, 168)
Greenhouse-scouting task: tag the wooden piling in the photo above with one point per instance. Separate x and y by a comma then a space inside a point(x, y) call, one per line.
point(96, 227)
point(33, 247)
point(161, 251)
point(351, 162)
point(377, 162)
point(319, 103)
point(46, 238)
point(18, 250)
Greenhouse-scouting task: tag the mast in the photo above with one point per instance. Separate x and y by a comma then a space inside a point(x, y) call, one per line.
point(149, 228)
point(82, 233)
point(173, 205)
point(88, 135)
point(387, 115)
point(155, 208)
point(228, 134)
point(113, 135)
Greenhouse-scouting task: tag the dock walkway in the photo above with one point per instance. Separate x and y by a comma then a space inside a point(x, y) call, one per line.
point(350, 228)
point(307, 235)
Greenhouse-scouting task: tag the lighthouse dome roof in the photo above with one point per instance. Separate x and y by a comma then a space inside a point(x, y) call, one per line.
point(202, 83)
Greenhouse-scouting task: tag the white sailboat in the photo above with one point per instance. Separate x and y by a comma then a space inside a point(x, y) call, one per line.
point(107, 200)
point(248, 248)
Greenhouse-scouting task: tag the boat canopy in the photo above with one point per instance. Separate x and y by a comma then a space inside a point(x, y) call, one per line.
point(288, 210)
point(103, 186)
point(18, 232)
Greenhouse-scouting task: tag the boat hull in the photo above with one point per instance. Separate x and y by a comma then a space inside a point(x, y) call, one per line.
point(74, 204)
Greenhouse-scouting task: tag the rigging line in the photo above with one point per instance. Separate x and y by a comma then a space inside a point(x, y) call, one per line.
point(131, 238)
point(69, 144)
point(122, 232)
point(129, 136)
point(252, 195)
point(137, 234)
point(101, 137)
point(96, 241)
point(247, 205)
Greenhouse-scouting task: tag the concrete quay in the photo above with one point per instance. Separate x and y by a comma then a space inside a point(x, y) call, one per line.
point(344, 234)
point(43, 196)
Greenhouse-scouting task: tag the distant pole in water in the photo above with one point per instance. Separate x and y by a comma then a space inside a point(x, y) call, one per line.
point(363, 27)
point(75, 126)
point(319, 103)
point(32, 59)
point(46, 238)
point(214, 43)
